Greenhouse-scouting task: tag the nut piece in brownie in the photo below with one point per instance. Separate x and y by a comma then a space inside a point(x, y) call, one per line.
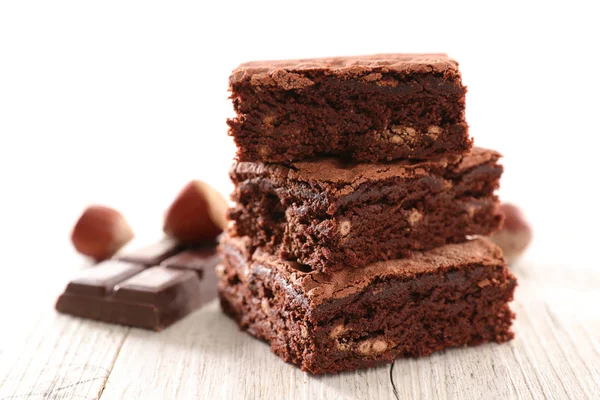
point(328, 215)
point(368, 108)
point(451, 296)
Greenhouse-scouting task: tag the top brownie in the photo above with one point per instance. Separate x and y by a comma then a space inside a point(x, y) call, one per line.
point(365, 108)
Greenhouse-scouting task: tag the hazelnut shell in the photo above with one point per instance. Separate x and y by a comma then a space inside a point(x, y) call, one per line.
point(197, 215)
point(100, 232)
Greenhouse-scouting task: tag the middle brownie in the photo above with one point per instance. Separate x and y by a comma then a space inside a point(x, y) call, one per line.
point(327, 214)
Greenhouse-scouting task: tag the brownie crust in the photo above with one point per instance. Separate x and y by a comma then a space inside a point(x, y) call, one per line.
point(452, 296)
point(327, 214)
point(366, 108)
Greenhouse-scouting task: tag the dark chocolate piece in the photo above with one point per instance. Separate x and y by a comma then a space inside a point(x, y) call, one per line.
point(368, 108)
point(199, 260)
point(451, 296)
point(153, 254)
point(101, 280)
point(150, 298)
point(132, 294)
point(328, 215)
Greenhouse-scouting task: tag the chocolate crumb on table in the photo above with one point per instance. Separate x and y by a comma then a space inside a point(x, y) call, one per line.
point(367, 108)
point(330, 215)
point(452, 296)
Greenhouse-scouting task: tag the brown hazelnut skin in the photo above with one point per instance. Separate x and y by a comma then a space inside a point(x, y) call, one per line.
point(197, 215)
point(516, 233)
point(100, 232)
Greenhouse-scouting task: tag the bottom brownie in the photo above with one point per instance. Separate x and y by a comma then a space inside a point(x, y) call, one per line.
point(451, 296)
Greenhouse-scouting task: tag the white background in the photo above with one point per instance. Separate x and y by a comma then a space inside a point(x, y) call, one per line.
point(121, 103)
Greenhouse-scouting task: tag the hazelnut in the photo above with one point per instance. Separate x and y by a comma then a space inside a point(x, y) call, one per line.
point(337, 331)
point(515, 235)
point(388, 81)
point(365, 347)
point(414, 217)
point(264, 304)
point(483, 283)
point(375, 76)
point(100, 232)
point(220, 271)
point(379, 346)
point(303, 331)
point(434, 130)
point(264, 151)
point(268, 121)
point(404, 130)
point(370, 346)
point(197, 215)
point(397, 139)
point(345, 227)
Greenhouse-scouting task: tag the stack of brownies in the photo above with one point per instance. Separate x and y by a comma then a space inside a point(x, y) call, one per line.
point(360, 203)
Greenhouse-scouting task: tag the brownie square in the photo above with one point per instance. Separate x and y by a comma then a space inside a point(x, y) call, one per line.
point(367, 108)
point(451, 296)
point(327, 214)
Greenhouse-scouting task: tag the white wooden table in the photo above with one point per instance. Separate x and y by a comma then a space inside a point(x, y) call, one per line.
point(44, 355)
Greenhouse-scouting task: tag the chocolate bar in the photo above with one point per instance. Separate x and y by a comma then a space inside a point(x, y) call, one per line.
point(140, 294)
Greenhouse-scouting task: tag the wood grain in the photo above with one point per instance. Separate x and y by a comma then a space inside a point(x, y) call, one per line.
point(49, 356)
point(556, 354)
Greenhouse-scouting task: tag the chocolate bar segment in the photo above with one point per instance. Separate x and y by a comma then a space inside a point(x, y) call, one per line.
point(367, 108)
point(150, 285)
point(452, 296)
point(198, 259)
point(331, 215)
point(101, 280)
point(153, 254)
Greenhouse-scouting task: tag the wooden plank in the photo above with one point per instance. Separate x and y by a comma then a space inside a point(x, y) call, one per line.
point(47, 355)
